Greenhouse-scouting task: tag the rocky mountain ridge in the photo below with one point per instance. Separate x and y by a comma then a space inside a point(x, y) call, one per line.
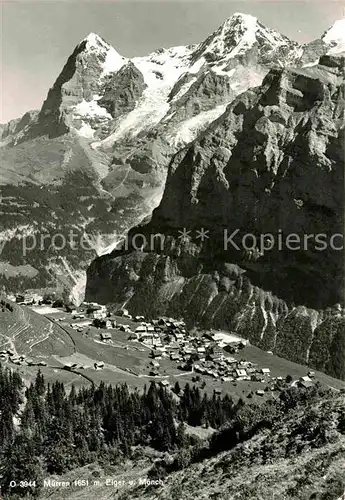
point(112, 124)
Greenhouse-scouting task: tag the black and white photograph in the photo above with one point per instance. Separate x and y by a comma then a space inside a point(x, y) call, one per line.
point(172, 219)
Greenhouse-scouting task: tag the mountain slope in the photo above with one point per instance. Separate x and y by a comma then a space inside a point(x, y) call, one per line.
point(271, 165)
point(110, 125)
point(298, 456)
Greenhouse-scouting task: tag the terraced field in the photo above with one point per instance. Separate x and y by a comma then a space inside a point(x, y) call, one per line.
point(30, 334)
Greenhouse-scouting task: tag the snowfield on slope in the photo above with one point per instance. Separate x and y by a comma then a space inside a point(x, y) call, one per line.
point(161, 71)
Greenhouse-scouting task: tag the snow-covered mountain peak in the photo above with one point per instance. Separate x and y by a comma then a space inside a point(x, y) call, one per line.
point(110, 59)
point(237, 35)
point(238, 18)
point(93, 41)
point(335, 37)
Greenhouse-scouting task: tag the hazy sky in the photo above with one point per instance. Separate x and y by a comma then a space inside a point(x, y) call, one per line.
point(38, 36)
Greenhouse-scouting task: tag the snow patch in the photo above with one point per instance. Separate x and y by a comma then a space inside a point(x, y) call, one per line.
point(184, 89)
point(219, 70)
point(188, 130)
point(196, 67)
point(335, 36)
point(91, 109)
point(113, 62)
point(160, 70)
point(86, 131)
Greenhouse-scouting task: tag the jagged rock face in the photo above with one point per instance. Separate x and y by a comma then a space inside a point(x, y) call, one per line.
point(81, 79)
point(273, 162)
point(123, 90)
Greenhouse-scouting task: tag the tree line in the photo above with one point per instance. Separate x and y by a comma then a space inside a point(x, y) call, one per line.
point(46, 430)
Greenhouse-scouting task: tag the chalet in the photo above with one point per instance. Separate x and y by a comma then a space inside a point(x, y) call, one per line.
point(153, 373)
point(77, 315)
point(105, 336)
point(185, 367)
point(174, 346)
point(265, 371)
point(241, 372)
point(137, 319)
point(188, 350)
point(156, 354)
point(217, 391)
point(99, 314)
point(99, 365)
point(124, 328)
point(122, 312)
point(260, 392)
point(148, 340)
point(311, 374)
point(133, 336)
point(150, 328)
point(81, 324)
point(305, 379)
point(110, 324)
point(154, 363)
point(164, 383)
point(140, 329)
point(175, 357)
point(306, 384)
point(179, 337)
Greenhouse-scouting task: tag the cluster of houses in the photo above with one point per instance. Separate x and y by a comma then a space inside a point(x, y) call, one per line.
point(91, 314)
point(203, 353)
point(11, 356)
point(29, 298)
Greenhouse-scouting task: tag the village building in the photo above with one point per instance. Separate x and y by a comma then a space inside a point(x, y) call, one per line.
point(241, 372)
point(156, 354)
point(306, 383)
point(133, 336)
point(105, 336)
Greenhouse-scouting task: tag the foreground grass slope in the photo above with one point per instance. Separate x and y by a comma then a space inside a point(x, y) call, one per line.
point(299, 456)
